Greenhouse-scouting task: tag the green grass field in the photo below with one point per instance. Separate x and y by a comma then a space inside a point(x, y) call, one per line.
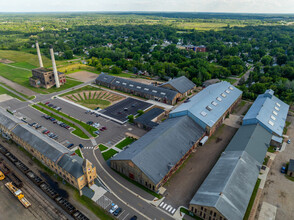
point(78, 152)
point(232, 81)
point(4, 91)
point(124, 143)
point(108, 154)
point(251, 202)
point(102, 147)
point(85, 88)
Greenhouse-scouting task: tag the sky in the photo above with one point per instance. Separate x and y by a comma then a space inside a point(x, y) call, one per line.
point(237, 6)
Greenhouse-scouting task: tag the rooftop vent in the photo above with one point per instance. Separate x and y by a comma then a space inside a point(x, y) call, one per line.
point(219, 99)
point(124, 83)
point(231, 88)
point(228, 91)
point(203, 113)
point(154, 91)
point(277, 108)
point(146, 89)
point(273, 117)
point(275, 113)
point(163, 93)
point(208, 108)
point(214, 103)
point(278, 104)
point(139, 87)
point(117, 81)
point(271, 123)
point(131, 85)
point(224, 95)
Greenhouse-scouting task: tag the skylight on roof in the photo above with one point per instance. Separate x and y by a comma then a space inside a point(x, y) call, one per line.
point(146, 89)
point(163, 93)
point(105, 77)
point(231, 88)
point(273, 117)
point(228, 91)
point(124, 83)
point(131, 85)
point(214, 103)
point(154, 91)
point(117, 81)
point(224, 95)
point(219, 99)
point(271, 123)
point(275, 113)
point(139, 87)
point(277, 108)
point(203, 113)
point(278, 104)
point(208, 108)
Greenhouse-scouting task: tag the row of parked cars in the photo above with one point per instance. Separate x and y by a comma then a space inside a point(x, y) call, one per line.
point(53, 106)
point(60, 123)
point(115, 210)
point(92, 113)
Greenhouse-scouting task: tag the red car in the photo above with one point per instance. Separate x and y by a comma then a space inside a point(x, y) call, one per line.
point(47, 103)
point(104, 128)
point(47, 132)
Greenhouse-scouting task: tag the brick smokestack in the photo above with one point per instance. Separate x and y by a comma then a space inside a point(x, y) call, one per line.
point(39, 54)
point(54, 67)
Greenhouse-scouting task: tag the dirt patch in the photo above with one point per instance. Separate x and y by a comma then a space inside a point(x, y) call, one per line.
point(6, 61)
point(183, 185)
point(83, 76)
point(17, 87)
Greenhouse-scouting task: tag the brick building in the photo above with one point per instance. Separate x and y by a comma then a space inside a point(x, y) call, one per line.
point(74, 169)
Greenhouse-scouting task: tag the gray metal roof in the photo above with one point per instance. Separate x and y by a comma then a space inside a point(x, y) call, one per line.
point(254, 139)
point(146, 118)
point(207, 106)
point(41, 143)
point(139, 87)
point(7, 120)
point(229, 185)
point(72, 164)
point(181, 84)
point(291, 165)
point(160, 149)
point(269, 111)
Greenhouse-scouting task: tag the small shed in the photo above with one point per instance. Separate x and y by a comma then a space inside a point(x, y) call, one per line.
point(290, 171)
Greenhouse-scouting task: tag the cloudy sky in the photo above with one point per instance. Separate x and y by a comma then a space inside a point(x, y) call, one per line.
point(251, 6)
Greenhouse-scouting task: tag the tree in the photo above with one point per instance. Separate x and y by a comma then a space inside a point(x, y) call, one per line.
point(68, 54)
point(267, 60)
point(131, 118)
point(116, 70)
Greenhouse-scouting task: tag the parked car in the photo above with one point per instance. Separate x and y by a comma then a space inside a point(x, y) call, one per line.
point(58, 108)
point(87, 111)
point(104, 128)
point(67, 127)
point(50, 105)
point(96, 132)
point(47, 132)
point(70, 145)
point(134, 218)
point(44, 131)
point(47, 103)
point(81, 146)
point(113, 208)
point(32, 124)
point(289, 141)
point(90, 122)
point(117, 211)
point(39, 126)
point(283, 169)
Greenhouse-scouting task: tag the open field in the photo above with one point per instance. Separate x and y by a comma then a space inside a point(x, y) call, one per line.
point(108, 154)
point(4, 91)
point(92, 97)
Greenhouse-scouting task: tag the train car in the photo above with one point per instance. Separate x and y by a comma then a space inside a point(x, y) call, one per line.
point(15, 180)
point(49, 191)
point(23, 168)
point(65, 205)
point(4, 168)
point(3, 150)
point(11, 157)
point(37, 180)
point(77, 215)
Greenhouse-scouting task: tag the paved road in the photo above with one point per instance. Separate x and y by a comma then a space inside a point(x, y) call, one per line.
point(246, 76)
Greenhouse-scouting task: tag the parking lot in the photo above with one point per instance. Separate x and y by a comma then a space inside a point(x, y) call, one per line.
point(122, 109)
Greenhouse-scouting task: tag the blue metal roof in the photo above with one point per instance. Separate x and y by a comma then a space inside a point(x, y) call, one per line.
point(210, 104)
point(181, 84)
point(269, 111)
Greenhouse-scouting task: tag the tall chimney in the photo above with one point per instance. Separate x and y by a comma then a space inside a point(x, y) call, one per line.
point(54, 67)
point(39, 54)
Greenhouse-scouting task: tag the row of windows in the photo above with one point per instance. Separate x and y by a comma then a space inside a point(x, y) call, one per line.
point(203, 213)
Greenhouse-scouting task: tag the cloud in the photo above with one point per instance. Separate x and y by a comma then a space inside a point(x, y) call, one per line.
point(250, 6)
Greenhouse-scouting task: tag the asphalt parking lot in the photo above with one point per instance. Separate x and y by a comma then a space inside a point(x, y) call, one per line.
point(122, 109)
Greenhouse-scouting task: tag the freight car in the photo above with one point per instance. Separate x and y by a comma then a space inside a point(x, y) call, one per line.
point(11, 157)
point(49, 191)
point(32, 176)
point(63, 203)
point(23, 168)
point(77, 215)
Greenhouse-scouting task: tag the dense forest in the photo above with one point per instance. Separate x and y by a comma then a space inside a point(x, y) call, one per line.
point(156, 45)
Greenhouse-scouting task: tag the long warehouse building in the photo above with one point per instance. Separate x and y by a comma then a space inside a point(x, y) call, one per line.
point(75, 170)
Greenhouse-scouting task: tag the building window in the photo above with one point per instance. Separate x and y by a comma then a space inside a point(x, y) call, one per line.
point(210, 212)
point(201, 207)
point(195, 211)
point(214, 214)
point(205, 210)
point(209, 218)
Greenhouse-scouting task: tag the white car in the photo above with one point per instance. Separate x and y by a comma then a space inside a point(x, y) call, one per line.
point(289, 141)
point(113, 208)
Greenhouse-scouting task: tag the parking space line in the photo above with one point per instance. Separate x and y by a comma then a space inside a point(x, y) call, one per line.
point(125, 216)
point(120, 214)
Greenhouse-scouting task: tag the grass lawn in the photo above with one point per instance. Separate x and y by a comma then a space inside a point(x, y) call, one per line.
point(271, 149)
point(187, 212)
point(232, 81)
point(102, 147)
point(21, 77)
point(4, 91)
point(108, 154)
point(247, 213)
point(125, 142)
point(290, 177)
point(78, 152)
point(265, 161)
point(85, 88)
point(286, 127)
point(140, 186)
point(21, 57)
point(87, 127)
point(94, 103)
point(77, 130)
